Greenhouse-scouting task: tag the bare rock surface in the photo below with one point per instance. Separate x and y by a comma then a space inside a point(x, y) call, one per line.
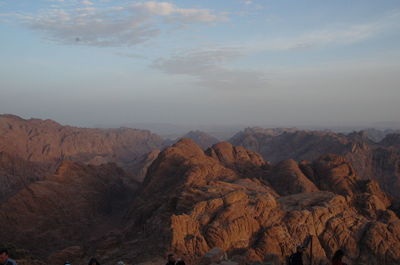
point(200, 202)
point(195, 203)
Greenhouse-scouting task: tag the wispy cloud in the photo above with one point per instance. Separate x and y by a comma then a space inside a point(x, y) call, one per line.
point(86, 24)
point(210, 70)
point(87, 2)
point(187, 15)
point(211, 67)
point(334, 35)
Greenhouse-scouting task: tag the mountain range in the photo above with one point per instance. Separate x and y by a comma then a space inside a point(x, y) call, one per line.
point(71, 193)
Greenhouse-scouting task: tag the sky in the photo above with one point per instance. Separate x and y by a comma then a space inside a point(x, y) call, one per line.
point(223, 62)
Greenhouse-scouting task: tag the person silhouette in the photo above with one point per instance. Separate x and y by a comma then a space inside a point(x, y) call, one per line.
point(5, 259)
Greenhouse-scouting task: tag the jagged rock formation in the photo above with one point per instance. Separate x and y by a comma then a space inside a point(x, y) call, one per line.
point(377, 161)
point(193, 201)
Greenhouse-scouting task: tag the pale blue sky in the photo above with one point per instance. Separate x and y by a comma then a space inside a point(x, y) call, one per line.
point(255, 62)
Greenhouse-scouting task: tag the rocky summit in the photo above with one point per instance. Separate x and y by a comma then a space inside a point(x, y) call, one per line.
point(196, 201)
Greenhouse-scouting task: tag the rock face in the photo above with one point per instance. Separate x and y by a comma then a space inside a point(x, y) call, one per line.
point(193, 201)
point(287, 178)
point(140, 165)
point(370, 160)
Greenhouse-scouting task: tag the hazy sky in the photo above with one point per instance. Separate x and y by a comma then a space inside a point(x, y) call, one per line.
point(248, 62)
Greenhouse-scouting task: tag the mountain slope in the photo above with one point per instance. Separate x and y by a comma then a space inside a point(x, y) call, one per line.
point(74, 206)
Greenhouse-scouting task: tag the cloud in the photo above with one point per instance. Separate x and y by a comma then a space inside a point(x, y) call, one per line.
point(209, 68)
point(85, 24)
point(188, 15)
point(339, 35)
point(87, 2)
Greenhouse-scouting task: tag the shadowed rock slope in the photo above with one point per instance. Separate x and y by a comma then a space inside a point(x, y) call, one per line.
point(72, 207)
point(16, 173)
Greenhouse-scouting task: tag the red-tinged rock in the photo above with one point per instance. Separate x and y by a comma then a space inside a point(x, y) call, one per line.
point(42, 141)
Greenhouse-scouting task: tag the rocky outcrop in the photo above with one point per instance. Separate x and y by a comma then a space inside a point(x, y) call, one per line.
point(287, 178)
point(237, 158)
point(334, 173)
point(201, 202)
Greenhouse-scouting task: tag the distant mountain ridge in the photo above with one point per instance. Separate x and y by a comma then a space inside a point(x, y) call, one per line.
point(46, 140)
point(371, 160)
